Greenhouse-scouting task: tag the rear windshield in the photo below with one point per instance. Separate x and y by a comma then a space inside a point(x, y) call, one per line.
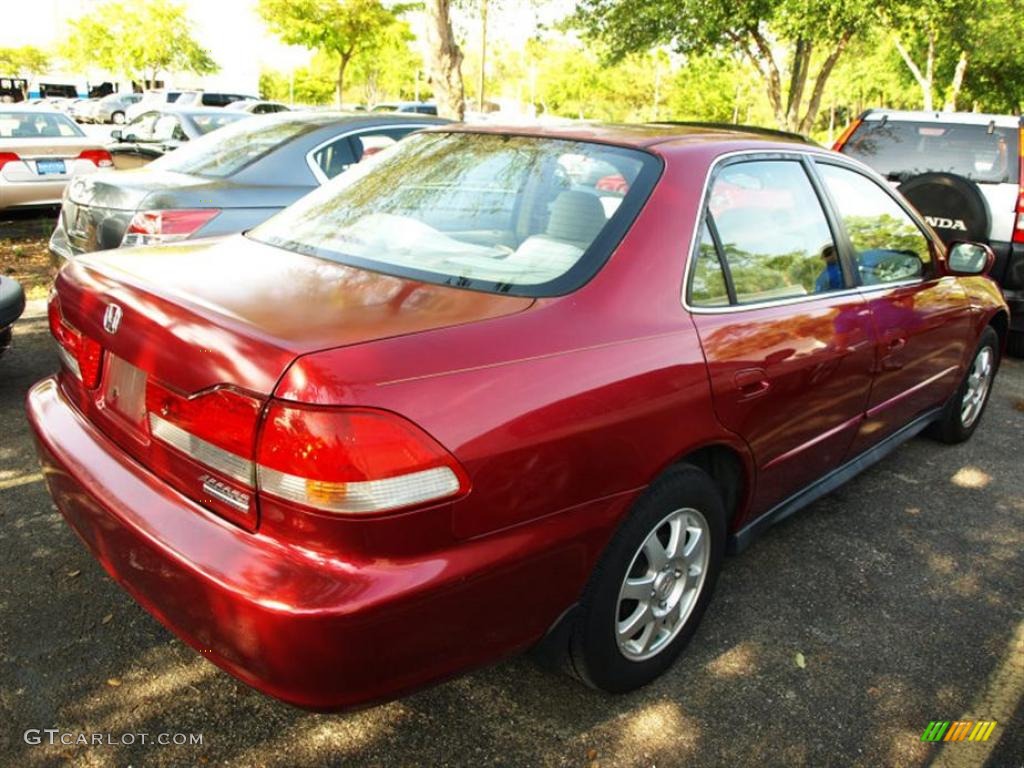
point(511, 214)
point(36, 125)
point(208, 123)
point(227, 151)
point(899, 150)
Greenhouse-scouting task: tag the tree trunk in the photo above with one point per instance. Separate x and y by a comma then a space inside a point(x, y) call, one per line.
point(957, 84)
point(445, 61)
point(483, 52)
point(343, 58)
point(797, 80)
point(824, 73)
point(923, 81)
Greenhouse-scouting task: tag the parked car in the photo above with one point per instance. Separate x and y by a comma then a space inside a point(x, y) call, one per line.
point(40, 150)
point(465, 399)
point(218, 99)
point(226, 182)
point(419, 107)
point(79, 109)
point(158, 99)
point(156, 132)
point(12, 304)
point(257, 107)
point(113, 108)
point(965, 173)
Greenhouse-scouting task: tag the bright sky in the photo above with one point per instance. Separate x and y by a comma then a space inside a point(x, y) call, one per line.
point(236, 36)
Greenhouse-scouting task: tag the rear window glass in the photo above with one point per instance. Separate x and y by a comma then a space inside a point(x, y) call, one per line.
point(512, 214)
point(899, 150)
point(227, 151)
point(208, 123)
point(29, 125)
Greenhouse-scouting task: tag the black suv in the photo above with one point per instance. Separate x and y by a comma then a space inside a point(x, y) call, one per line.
point(965, 173)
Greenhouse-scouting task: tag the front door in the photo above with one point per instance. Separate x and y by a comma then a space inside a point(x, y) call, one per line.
point(921, 319)
point(787, 337)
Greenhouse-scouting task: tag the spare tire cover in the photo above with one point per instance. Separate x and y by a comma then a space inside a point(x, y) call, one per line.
point(951, 204)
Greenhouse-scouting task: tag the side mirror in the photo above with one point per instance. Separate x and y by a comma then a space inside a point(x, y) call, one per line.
point(970, 259)
point(117, 134)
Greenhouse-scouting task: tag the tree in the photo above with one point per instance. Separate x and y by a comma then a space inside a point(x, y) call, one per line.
point(792, 44)
point(445, 60)
point(390, 67)
point(24, 61)
point(342, 28)
point(138, 40)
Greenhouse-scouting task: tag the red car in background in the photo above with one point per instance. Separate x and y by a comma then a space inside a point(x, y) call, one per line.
point(468, 398)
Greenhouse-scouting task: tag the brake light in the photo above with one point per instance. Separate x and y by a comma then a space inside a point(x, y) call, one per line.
point(151, 227)
point(8, 157)
point(217, 428)
point(1018, 230)
point(845, 135)
point(80, 354)
point(98, 157)
point(352, 460)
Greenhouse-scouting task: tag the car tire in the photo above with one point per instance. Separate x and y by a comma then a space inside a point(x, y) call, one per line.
point(1015, 344)
point(117, 118)
point(962, 413)
point(681, 512)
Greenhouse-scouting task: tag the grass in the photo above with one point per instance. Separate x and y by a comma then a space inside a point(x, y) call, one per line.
point(23, 251)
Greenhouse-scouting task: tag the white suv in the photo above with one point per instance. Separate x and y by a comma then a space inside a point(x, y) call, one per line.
point(965, 173)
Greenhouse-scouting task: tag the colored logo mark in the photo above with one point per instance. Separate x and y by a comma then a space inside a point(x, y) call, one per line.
point(958, 730)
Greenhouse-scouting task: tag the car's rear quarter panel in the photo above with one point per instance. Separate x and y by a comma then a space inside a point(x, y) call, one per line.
point(577, 399)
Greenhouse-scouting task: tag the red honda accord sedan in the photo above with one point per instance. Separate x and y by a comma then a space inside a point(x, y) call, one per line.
point(499, 388)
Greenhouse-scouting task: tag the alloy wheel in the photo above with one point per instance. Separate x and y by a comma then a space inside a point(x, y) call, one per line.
point(662, 584)
point(979, 381)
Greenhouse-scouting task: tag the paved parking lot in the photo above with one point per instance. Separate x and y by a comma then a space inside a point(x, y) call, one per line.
point(902, 593)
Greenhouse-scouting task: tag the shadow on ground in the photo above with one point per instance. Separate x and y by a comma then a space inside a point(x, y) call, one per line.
point(902, 592)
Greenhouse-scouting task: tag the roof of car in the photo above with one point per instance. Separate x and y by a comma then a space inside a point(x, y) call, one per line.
point(640, 134)
point(936, 116)
point(34, 109)
point(369, 118)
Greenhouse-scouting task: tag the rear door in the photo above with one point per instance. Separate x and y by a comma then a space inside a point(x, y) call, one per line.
point(787, 337)
point(922, 319)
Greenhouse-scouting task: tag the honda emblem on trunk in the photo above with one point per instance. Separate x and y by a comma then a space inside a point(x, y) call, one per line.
point(112, 318)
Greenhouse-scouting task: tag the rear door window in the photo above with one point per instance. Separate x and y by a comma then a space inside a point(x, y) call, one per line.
point(899, 150)
point(335, 157)
point(772, 235)
point(888, 247)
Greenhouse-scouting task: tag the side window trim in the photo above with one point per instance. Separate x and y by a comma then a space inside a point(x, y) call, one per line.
point(841, 238)
point(723, 264)
point(704, 215)
point(935, 249)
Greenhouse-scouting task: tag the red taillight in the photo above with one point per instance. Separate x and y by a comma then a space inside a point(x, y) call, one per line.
point(845, 135)
point(150, 227)
point(352, 460)
point(223, 417)
point(81, 354)
point(8, 157)
point(347, 460)
point(98, 157)
point(1018, 230)
point(214, 431)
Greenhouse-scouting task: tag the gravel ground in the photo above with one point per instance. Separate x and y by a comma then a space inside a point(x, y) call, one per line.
point(834, 640)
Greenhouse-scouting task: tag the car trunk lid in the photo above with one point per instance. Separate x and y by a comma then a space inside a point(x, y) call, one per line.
point(98, 208)
point(224, 318)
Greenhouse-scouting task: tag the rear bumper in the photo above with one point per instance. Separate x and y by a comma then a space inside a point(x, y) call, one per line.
point(317, 630)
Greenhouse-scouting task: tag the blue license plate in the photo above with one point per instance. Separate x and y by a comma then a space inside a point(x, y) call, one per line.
point(50, 167)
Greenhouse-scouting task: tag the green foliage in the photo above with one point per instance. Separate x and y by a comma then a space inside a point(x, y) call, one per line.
point(137, 40)
point(24, 61)
point(342, 28)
